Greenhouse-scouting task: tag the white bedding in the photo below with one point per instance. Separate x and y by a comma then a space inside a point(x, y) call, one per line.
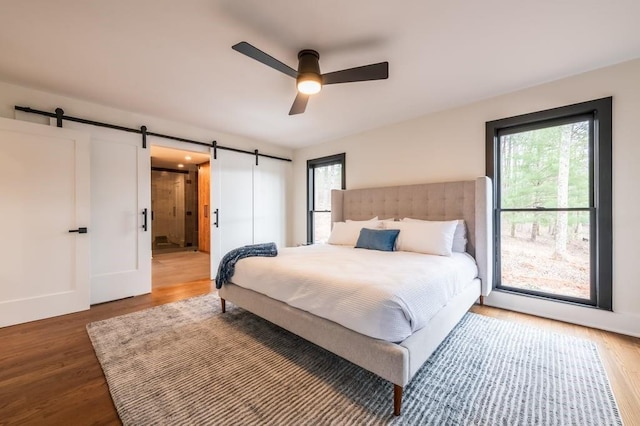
point(384, 295)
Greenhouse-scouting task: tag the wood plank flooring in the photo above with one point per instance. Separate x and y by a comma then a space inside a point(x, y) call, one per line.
point(49, 373)
point(179, 267)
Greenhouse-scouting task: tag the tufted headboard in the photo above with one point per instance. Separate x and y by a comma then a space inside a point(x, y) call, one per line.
point(469, 200)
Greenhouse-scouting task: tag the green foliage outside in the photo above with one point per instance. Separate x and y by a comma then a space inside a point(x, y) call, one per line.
point(530, 165)
point(325, 178)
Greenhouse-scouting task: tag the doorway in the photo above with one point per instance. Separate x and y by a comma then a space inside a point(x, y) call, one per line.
point(176, 226)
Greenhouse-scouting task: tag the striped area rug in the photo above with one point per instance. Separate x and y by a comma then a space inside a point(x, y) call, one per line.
point(185, 363)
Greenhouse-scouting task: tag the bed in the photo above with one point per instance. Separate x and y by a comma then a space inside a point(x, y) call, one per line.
point(394, 361)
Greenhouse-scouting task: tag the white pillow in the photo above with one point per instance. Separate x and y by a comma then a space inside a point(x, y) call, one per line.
point(347, 233)
point(459, 237)
point(428, 237)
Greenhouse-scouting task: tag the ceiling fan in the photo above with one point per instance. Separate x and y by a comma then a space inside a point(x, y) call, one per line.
point(308, 77)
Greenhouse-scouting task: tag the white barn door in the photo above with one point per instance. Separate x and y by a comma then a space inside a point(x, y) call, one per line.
point(231, 203)
point(270, 179)
point(249, 202)
point(44, 194)
point(120, 196)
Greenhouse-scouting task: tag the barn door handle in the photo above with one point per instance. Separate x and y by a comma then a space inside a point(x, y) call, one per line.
point(145, 213)
point(216, 213)
point(79, 230)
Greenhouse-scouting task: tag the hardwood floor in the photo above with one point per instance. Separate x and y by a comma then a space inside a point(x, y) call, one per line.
point(179, 267)
point(49, 373)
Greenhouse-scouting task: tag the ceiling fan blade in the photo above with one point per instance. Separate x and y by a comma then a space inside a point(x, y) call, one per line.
point(257, 54)
point(299, 104)
point(378, 71)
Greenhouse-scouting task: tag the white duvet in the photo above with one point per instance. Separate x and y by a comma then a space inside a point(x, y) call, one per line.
point(384, 295)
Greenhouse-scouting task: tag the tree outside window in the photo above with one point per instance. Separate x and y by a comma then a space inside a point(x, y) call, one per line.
point(323, 175)
point(552, 211)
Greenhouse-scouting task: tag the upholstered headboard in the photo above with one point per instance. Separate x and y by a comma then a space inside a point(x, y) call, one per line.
point(468, 200)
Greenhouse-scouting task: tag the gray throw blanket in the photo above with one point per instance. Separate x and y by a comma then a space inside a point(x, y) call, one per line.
point(228, 263)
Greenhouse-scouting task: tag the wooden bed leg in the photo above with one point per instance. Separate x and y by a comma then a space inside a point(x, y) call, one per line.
point(481, 300)
point(397, 399)
point(224, 305)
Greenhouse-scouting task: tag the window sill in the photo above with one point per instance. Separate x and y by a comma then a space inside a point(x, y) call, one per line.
point(550, 299)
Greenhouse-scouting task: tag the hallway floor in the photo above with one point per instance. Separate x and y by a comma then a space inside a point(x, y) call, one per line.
point(170, 269)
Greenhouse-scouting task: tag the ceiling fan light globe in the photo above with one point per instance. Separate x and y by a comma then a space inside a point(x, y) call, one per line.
point(309, 87)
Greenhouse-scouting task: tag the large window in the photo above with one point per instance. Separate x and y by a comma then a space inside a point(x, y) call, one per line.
point(551, 172)
point(323, 175)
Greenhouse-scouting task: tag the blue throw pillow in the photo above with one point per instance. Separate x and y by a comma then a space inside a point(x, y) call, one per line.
point(377, 239)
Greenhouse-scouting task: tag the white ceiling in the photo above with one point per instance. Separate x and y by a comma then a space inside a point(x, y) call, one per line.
point(172, 158)
point(173, 59)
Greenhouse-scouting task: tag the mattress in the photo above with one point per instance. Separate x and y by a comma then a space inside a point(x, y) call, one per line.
point(384, 295)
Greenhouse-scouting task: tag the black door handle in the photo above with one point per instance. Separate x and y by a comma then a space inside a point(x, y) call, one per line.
point(216, 213)
point(144, 222)
point(79, 230)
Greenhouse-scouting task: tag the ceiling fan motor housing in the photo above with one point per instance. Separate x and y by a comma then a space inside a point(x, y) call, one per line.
point(308, 66)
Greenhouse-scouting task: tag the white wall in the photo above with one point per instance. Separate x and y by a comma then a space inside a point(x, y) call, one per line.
point(450, 145)
point(11, 95)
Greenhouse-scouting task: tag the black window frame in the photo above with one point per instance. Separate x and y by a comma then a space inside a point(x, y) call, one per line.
point(600, 115)
point(311, 166)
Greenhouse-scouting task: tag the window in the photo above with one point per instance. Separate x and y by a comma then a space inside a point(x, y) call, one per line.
point(323, 175)
point(551, 173)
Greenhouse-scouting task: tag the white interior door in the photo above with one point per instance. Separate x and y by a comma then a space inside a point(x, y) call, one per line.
point(270, 202)
point(231, 203)
point(120, 194)
point(44, 188)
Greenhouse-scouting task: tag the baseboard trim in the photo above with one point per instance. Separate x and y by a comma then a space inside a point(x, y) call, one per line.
point(617, 322)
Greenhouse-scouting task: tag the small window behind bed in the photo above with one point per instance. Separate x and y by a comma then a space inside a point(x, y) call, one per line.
point(323, 175)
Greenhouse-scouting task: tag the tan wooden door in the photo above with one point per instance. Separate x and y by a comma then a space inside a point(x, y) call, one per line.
point(204, 207)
